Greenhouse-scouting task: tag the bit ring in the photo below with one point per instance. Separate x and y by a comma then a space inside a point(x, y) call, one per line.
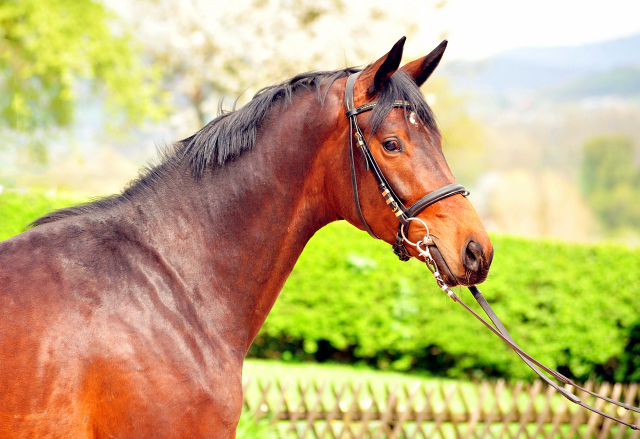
point(426, 237)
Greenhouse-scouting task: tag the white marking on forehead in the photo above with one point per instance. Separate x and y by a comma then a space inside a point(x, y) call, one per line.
point(413, 119)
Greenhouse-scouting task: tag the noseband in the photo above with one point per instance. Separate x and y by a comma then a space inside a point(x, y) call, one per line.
point(405, 215)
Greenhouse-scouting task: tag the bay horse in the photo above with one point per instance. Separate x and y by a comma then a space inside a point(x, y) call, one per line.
point(130, 316)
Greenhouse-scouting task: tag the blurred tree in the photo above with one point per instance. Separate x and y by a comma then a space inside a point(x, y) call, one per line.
point(208, 53)
point(47, 46)
point(236, 48)
point(463, 137)
point(607, 161)
point(610, 180)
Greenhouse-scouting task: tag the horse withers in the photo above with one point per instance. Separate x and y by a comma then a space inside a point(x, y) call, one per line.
point(129, 317)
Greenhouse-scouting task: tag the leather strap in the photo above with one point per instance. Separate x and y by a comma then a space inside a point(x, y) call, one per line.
point(349, 103)
point(434, 197)
point(349, 100)
point(502, 332)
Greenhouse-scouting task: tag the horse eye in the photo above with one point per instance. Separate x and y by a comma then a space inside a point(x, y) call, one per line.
point(391, 146)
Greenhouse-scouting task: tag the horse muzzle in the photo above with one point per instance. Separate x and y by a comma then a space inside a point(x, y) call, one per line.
point(474, 261)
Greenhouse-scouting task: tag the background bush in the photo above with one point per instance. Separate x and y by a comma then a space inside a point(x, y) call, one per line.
point(19, 208)
point(574, 307)
point(349, 299)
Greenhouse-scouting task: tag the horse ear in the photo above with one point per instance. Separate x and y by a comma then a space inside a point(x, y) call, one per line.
point(422, 68)
point(383, 68)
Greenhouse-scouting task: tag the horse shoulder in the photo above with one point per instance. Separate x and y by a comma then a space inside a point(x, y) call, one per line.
point(88, 332)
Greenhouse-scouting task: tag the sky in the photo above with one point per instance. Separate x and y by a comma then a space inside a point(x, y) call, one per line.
point(477, 29)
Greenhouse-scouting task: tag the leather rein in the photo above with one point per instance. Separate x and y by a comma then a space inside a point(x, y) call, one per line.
point(406, 215)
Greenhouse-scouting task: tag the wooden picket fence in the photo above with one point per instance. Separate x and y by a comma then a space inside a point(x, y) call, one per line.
point(317, 410)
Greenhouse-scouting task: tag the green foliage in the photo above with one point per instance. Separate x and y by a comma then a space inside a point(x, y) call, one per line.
point(251, 428)
point(17, 209)
point(607, 161)
point(571, 306)
point(463, 137)
point(611, 181)
point(46, 46)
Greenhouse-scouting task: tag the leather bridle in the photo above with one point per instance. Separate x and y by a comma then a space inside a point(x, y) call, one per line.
point(406, 215)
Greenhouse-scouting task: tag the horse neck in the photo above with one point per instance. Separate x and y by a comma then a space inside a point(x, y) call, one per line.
point(244, 225)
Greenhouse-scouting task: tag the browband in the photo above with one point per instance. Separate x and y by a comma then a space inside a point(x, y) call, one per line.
point(403, 213)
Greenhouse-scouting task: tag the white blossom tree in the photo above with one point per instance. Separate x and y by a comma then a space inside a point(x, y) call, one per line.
point(210, 50)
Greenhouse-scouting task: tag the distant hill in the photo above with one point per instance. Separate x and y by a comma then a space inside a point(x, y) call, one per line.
point(532, 69)
point(620, 82)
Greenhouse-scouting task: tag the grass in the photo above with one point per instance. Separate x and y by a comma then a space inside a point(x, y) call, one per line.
point(375, 387)
point(336, 373)
point(463, 396)
point(375, 383)
point(333, 375)
point(251, 428)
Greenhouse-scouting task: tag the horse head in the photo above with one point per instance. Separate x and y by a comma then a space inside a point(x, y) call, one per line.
point(399, 129)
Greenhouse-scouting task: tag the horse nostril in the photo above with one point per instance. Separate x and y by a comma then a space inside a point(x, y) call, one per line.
point(472, 257)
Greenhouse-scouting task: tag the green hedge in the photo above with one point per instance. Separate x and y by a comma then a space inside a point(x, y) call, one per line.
point(574, 307)
point(19, 208)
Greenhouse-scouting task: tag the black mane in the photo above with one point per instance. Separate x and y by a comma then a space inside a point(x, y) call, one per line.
point(230, 134)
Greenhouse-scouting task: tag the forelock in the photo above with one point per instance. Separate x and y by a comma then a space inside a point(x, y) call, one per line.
point(402, 87)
